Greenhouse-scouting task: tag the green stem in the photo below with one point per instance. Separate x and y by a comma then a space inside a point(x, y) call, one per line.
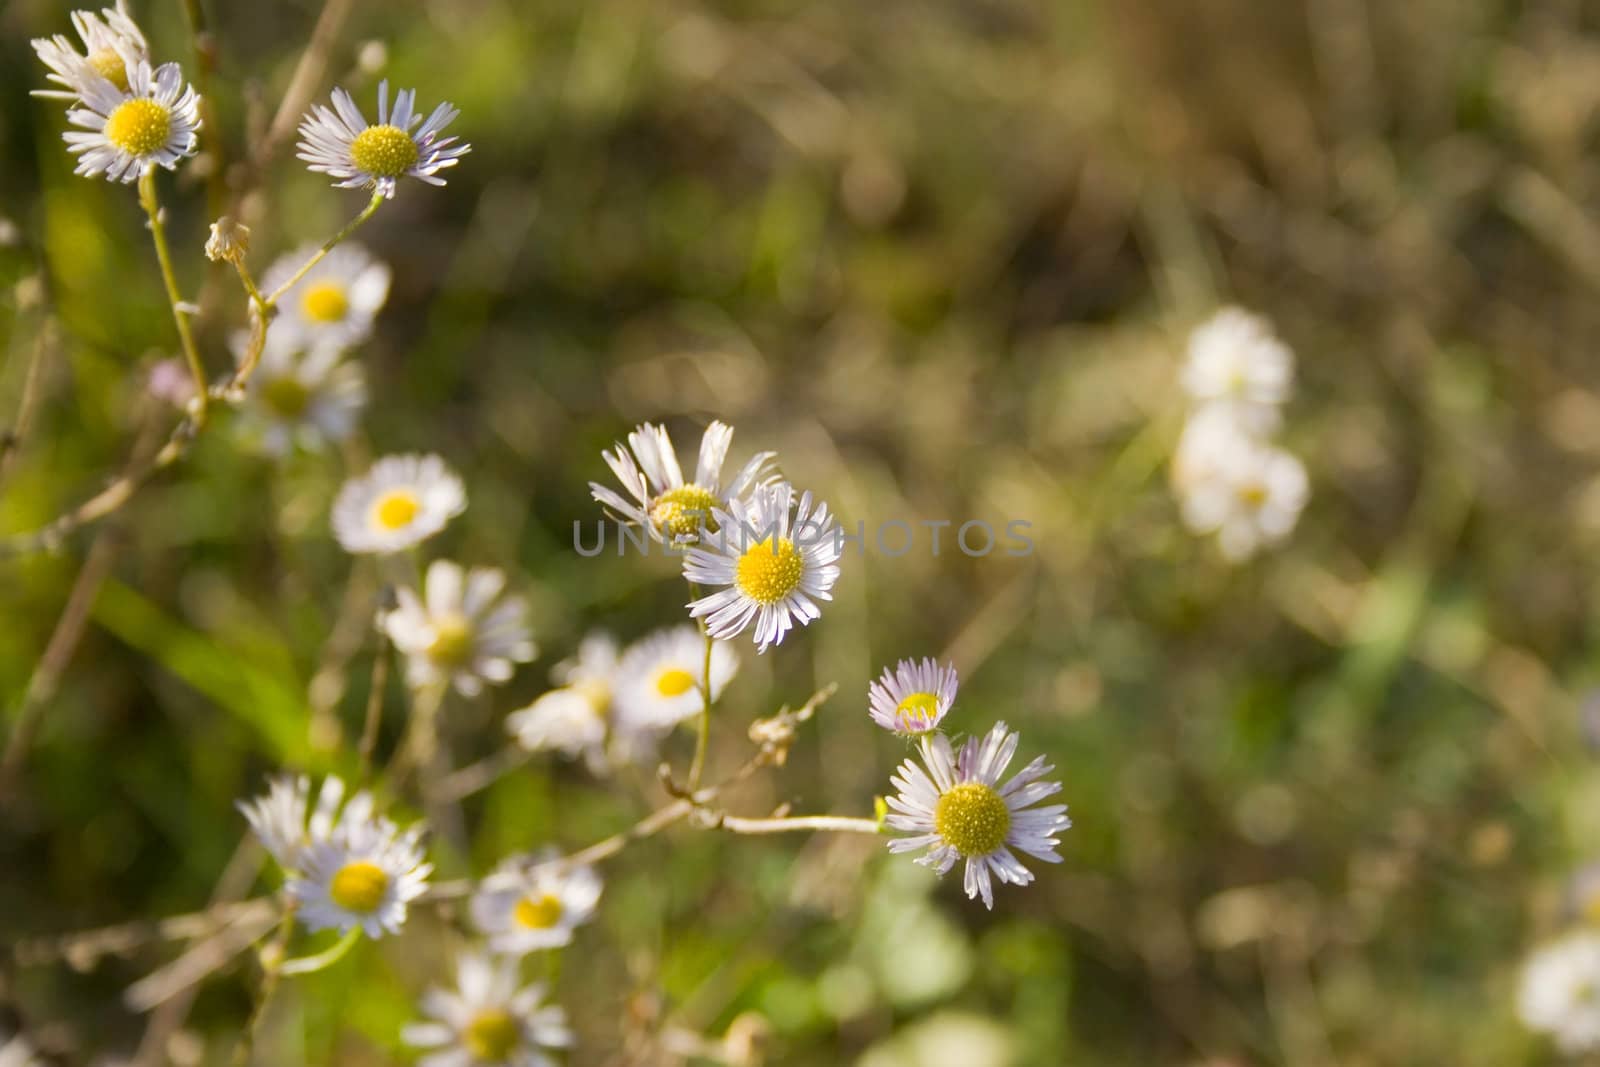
point(354, 224)
point(322, 960)
point(158, 231)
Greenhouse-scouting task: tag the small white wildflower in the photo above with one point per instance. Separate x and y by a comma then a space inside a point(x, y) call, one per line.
point(573, 718)
point(336, 302)
point(462, 630)
point(156, 123)
point(1560, 992)
point(364, 874)
point(671, 509)
point(532, 904)
point(659, 678)
point(957, 809)
point(487, 1020)
point(402, 501)
point(112, 45)
point(285, 823)
point(1247, 492)
point(305, 398)
point(341, 143)
point(914, 697)
point(229, 241)
point(773, 559)
point(1237, 362)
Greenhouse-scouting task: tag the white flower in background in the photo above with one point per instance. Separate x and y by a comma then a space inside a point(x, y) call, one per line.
point(914, 697)
point(1560, 992)
point(363, 874)
point(774, 560)
point(402, 501)
point(1247, 492)
point(957, 809)
point(309, 398)
point(528, 905)
point(1235, 361)
point(660, 677)
point(671, 509)
point(156, 123)
point(573, 719)
point(337, 300)
point(487, 1019)
point(462, 630)
point(284, 821)
point(341, 143)
point(16, 1051)
point(112, 45)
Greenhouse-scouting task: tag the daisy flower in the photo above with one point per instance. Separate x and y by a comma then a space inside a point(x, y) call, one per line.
point(285, 822)
point(155, 123)
point(301, 397)
point(341, 143)
point(112, 45)
point(462, 630)
point(659, 678)
point(486, 1019)
point(1247, 492)
point(338, 299)
point(775, 560)
point(1560, 992)
point(402, 501)
point(362, 874)
point(1235, 361)
point(16, 1051)
point(525, 907)
point(914, 697)
point(958, 810)
point(572, 719)
point(671, 509)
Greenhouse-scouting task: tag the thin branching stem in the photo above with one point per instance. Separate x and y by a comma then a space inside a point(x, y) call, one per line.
point(158, 232)
point(328, 246)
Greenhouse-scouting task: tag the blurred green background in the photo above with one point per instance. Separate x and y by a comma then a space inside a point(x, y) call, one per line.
point(942, 257)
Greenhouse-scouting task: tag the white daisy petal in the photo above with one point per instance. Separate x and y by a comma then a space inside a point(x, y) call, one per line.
point(461, 631)
point(343, 145)
point(491, 1020)
point(402, 501)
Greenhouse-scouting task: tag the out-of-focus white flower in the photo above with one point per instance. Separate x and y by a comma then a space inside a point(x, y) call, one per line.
point(112, 45)
point(1235, 361)
point(957, 809)
point(573, 719)
point(155, 123)
point(532, 904)
point(913, 697)
point(283, 819)
point(462, 630)
point(772, 561)
point(1230, 483)
point(1560, 992)
point(341, 143)
point(337, 300)
point(309, 398)
point(402, 501)
point(487, 1020)
point(16, 1051)
point(659, 679)
point(671, 509)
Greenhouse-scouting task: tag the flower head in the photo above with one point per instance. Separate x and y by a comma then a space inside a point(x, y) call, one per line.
point(773, 559)
point(365, 873)
point(487, 1020)
point(573, 718)
point(1235, 361)
point(957, 809)
point(337, 300)
point(402, 501)
point(526, 906)
point(671, 509)
point(1560, 992)
point(341, 143)
point(300, 397)
point(462, 630)
point(125, 135)
point(660, 679)
point(1230, 483)
point(914, 697)
point(285, 822)
point(112, 45)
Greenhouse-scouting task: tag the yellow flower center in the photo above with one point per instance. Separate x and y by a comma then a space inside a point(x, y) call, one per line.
point(681, 512)
point(1252, 494)
point(139, 126)
point(1590, 908)
point(109, 64)
point(383, 151)
point(452, 639)
point(598, 694)
point(972, 818)
point(491, 1035)
point(359, 887)
point(674, 682)
point(767, 573)
point(396, 509)
point(539, 913)
point(286, 396)
point(325, 302)
point(917, 712)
